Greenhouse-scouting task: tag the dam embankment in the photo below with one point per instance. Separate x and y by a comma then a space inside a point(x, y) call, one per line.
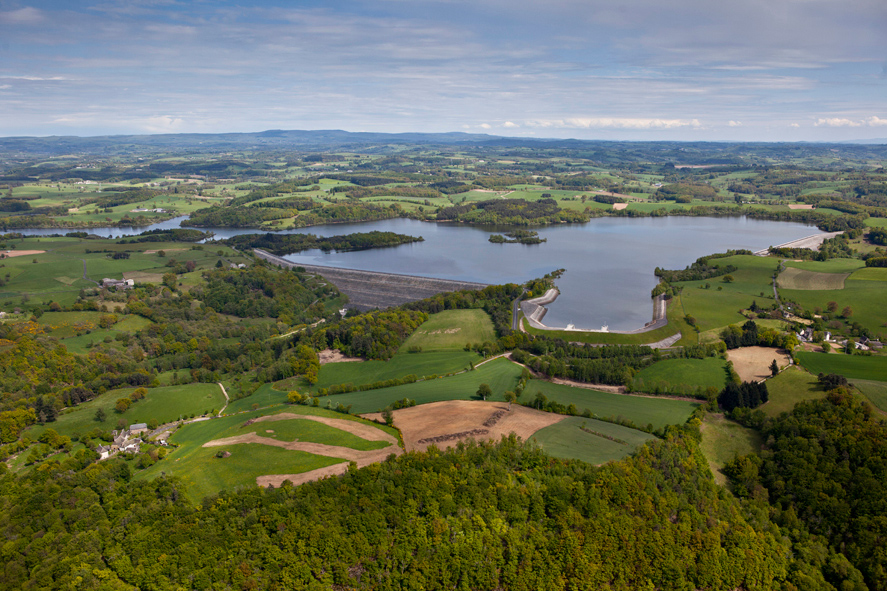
point(370, 289)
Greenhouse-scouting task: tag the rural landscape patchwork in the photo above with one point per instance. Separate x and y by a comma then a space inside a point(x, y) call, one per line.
point(205, 385)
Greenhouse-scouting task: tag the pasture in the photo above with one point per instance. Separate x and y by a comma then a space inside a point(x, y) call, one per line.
point(723, 440)
point(500, 374)
point(589, 440)
point(402, 364)
point(204, 473)
point(451, 330)
point(850, 366)
point(165, 404)
point(794, 278)
point(681, 375)
point(641, 410)
point(790, 387)
point(875, 392)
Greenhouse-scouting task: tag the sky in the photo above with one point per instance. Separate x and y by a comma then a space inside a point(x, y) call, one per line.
point(695, 70)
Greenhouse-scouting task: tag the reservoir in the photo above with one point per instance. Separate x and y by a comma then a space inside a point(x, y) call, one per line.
point(609, 262)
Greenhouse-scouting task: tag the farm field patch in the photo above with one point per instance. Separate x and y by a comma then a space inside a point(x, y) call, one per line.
point(876, 392)
point(589, 440)
point(451, 330)
point(753, 363)
point(199, 466)
point(500, 374)
point(402, 364)
point(165, 404)
point(723, 440)
point(850, 366)
point(641, 410)
point(794, 278)
point(790, 387)
point(682, 375)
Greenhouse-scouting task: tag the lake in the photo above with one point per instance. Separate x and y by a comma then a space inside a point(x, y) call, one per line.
point(609, 261)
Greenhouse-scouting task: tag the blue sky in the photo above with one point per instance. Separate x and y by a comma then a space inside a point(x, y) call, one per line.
point(760, 70)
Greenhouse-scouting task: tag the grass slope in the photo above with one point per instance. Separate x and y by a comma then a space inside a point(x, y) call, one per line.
point(204, 474)
point(723, 440)
point(850, 366)
point(166, 404)
point(500, 374)
point(402, 364)
point(683, 373)
point(876, 392)
point(568, 440)
point(451, 330)
point(641, 410)
point(790, 387)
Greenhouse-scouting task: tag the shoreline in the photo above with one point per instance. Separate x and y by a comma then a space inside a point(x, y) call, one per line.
point(534, 311)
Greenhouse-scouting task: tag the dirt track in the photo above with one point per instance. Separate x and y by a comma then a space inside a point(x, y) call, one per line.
point(361, 458)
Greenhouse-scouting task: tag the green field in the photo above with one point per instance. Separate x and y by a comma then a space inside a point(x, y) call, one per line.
point(715, 309)
point(641, 410)
point(402, 364)
point(876, 392)
point(723, 440)
point(850, 366)
point(500, 374)
point(58, 273)
point(682, 375)
point(829, 266)
point(204, 473)
point(790, 387)
point(451, 330)
point(568, 440)
point(864, 296)
point(166, 404)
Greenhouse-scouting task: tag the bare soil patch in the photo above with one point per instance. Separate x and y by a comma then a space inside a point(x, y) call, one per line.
point(446, 423)
point(794, 278)
point(800, 206)
point(753, 363)
point(143, 277)
point(618, 206)
point(164, 250)
point(20, 253)
point(334, 356)
point(361, 458)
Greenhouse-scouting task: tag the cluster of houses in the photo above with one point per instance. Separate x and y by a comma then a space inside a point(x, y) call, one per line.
point(118, 283)
point(125, 441)
point(863, 344)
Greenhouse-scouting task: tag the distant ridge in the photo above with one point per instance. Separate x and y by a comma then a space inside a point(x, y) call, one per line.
point(295, 141)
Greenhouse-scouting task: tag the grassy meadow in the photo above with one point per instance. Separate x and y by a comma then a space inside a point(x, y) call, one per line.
point(723, 440)
point(682, 375)
point(205, 474)
point(641, 410)
point(165, 404)
point(791, 386)
point(451, 330)
point(595, 442)
point(862, 367)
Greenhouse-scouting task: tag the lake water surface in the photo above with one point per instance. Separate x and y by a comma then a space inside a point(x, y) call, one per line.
point(609, 262)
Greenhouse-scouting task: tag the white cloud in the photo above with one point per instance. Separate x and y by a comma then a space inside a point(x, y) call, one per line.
point(485, 126)
point(614, 123)
point(22, 16)
point(876, 121)
point(794, 125)
point(735, 123)
point(510, 125)
point(836, 122)
point(163, 124)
